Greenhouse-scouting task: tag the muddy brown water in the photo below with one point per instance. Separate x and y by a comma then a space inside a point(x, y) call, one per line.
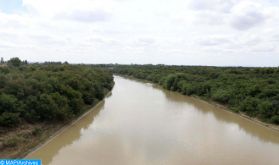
point(140, 124)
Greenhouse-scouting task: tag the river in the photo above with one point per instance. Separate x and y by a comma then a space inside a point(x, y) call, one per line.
point(141, 124)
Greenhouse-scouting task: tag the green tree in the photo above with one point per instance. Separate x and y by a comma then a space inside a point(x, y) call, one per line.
point(49, 92)
point(16, 62)
point(8, 103)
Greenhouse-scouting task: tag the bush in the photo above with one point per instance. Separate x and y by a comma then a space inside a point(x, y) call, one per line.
point(275, 119)
point(8, 103)
point(8, 119)
point(48, 92)
point(221, 96)
point(12, 142)
point(37, 132)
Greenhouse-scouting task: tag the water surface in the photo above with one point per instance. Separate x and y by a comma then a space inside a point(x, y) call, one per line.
point(140, 124)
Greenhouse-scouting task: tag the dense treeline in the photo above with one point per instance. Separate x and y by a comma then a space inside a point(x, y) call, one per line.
point(252, 91)
point(48, 92)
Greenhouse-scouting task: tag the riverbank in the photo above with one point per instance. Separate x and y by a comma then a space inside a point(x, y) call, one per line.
point(21, 141)
point(223, 107)
point(242, 115)
point(18, 141)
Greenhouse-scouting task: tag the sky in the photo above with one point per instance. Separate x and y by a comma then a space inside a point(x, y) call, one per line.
point(176, 32)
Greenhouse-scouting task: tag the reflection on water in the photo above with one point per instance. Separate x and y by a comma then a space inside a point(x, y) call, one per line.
point(67, 137)
point(140, 124)
point(260, 132)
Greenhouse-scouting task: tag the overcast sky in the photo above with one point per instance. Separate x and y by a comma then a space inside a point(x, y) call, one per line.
point(187, 32)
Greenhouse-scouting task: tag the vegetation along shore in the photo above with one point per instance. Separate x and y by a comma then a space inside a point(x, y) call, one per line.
point(252, 92)
point(36, 100)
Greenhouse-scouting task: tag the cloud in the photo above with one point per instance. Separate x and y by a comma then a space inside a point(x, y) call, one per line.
point(144, 42)
point(216, 5)
point(50, 8)
point(247, 15)
point(212, 18)
point(241, 15)
point(85, 16)
point(214, 41)
point(248, 20)
point(143, 31)
point(11, 6)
